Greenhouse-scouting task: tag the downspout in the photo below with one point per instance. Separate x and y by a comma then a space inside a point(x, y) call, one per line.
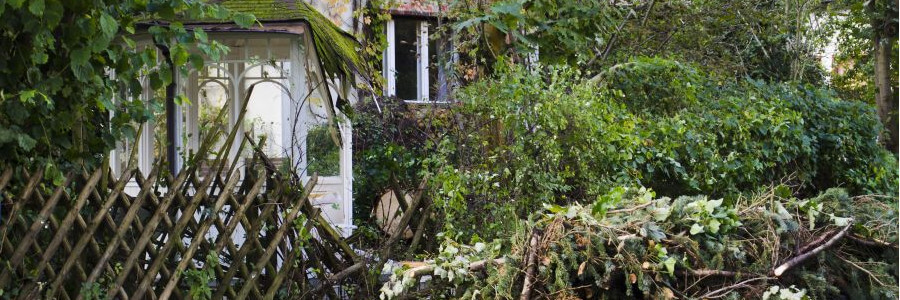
point(171, 139)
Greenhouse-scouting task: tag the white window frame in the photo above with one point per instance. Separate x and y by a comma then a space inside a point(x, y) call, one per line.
point(144, 144)
point(423, 84)
point(236, 94)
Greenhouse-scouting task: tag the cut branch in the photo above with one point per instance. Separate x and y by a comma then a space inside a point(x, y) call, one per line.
point(803, 257)
point(871, 241)
point(631, 209)
point(339, 276)
point(530, 266)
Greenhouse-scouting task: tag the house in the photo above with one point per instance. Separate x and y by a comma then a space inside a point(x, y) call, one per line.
point(290, 57)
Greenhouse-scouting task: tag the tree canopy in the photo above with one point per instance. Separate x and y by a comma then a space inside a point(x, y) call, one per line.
point(72, 73)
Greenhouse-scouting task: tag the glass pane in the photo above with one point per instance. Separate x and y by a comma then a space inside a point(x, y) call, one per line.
point(267, 70)
point(213, 95)
point(159, 141)
point(268, 49)
point(324, 155)
point(321, 153)
point(437, 63)
point(257, 49)
point(264, 116)
point(280, 48)
point(123, 150)
point(236, 47)
point(405, 59)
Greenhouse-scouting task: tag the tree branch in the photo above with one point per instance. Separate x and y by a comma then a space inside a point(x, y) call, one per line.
point(530, 266)
point(803, 257)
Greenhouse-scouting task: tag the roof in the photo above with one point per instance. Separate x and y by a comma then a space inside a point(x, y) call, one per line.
point(338, 51)
point(279, 10)
point(427, 8)
point(266, 10)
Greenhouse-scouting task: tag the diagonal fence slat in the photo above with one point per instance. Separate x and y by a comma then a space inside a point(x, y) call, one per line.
point(147, 233)
point(40, 222)
point(198, 237)
point(270, 249)
point(67, 222)
point(120, 231)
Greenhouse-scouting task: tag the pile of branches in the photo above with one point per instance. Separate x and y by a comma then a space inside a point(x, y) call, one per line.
point(630, 244)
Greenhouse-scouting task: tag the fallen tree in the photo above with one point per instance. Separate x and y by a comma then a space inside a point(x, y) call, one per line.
point(632, 245)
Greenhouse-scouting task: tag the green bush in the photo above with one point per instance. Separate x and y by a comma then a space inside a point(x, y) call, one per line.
point(724, 137)
point(530, 137)
point(655, 86)
point(524, 138)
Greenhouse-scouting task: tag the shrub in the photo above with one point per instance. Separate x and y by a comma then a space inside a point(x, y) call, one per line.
point(524, 138)
point(530, 137)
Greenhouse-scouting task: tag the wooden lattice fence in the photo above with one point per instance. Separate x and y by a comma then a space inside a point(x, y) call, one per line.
point(237, 236)
point(214, 230)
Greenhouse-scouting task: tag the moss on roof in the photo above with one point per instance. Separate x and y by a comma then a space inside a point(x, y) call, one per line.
point(337, 50)
point(266, 10)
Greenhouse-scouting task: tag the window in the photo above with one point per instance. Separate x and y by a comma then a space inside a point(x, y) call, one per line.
point(415, 61)
point(147, 139)
point(264, 62)
point(288, 109)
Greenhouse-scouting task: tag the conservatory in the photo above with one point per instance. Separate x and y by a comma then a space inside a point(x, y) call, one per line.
point(291, 108)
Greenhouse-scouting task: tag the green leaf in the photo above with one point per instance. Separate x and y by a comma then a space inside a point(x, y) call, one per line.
point(200, 35)
point(670, 265)
point(80, 56)
point(27, 96)
point(129, 42)
point(653, 231)
point(7, 135)
point(712, 204)
point(553, 208)
point(128, 132)
point(165, 74)
point(196, 61)
point(51, 171)
point(26, 142)
point(53, 13)
point(36, 7)
point(696, 228)
point(783, 191)
point(100, 43)
point(714, 226)
point(182, 100)
point(661, 213)
point(39, 57)
point(15, 4)
point(179, 55)
point(155, 82)
point(509, 7)
point(108, 25)
point(244, 20)
point(217, 12)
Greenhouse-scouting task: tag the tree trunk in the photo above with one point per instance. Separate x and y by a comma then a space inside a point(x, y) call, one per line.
point(884, 37)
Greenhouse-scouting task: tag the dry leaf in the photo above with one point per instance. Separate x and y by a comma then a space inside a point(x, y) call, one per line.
point(668, 294)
